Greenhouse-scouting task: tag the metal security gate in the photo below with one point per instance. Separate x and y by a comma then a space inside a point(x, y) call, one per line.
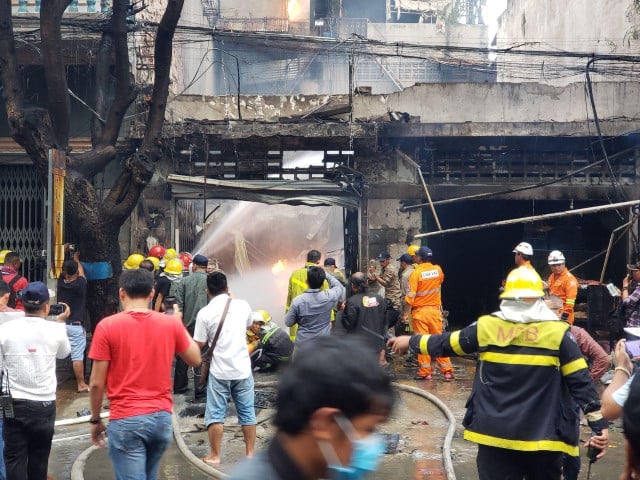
point(22, 217)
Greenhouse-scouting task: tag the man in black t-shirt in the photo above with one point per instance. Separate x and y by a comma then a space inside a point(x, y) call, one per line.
point(72, 287)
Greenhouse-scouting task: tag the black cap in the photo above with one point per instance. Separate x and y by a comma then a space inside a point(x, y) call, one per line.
point(329, 261)
point(406, 258)
point(384, 256)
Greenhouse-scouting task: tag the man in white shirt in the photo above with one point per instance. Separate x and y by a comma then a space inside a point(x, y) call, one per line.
point(29, 348)
point(230, 372)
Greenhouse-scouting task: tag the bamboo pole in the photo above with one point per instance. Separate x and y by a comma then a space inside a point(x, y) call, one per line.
point(547, 216)
point(410, 160)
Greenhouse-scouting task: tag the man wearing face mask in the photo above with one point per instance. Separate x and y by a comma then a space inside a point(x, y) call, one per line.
point(327, 414)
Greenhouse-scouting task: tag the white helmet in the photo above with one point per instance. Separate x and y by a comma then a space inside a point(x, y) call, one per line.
point(524, 248)
point(556, 258)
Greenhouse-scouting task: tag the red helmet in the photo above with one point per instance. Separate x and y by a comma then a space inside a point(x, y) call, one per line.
point(157, 251)
point(186, 259)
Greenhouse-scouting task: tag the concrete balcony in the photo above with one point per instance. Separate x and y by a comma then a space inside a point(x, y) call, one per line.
point(77, 6)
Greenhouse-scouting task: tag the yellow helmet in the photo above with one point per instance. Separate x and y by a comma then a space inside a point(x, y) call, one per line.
point(412, 249)
point(3, 253)
point(261, 316)
point(173, 267)
point(170, 253)
point(523, 282)
point(155, 261)
point(133, 261)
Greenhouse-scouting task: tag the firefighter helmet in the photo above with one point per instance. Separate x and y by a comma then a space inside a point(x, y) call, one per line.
point(133, 261)
point(157, 251)
point(3, 253)
point(412, 250)
point(556, 258)
point(523, 282)
point(524, 248)
point(173, 267)
point(170, 253)
point(261, 316)
point(186, 259)
point(154, 260)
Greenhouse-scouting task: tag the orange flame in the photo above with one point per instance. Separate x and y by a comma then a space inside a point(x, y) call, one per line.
point(278, 267)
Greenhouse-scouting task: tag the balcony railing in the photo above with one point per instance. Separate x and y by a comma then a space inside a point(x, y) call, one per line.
point(77, 6)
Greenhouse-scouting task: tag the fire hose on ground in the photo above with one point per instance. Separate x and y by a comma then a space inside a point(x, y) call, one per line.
point(77, 470)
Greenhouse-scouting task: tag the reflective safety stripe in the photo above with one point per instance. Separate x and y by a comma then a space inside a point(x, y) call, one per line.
point(571, 301)
point(423, 344)
point(424, 293)
point(299, 283)
point(542, 335)
point(574, 366)
point(520, 359)
point(521, 445)
point(411, 295)
point(454, 341)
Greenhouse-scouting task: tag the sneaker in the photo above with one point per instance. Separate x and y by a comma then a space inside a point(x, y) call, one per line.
point(423, 377)
point(448, 376)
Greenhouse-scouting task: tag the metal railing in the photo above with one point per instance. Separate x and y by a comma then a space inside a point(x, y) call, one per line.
point(77, 6)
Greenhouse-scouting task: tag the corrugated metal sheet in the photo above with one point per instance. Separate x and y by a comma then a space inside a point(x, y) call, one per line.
point(315, 192)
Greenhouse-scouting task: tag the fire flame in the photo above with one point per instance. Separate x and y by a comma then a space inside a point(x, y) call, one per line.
point(278, 267)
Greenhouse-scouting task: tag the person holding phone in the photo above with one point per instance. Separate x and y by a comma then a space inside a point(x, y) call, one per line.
point(631, 295)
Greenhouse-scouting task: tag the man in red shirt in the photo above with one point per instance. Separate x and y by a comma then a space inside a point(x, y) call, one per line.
point(132, 353)
point(11, 277)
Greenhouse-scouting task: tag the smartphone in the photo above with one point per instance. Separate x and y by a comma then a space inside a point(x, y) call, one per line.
point(633, 348)
point(167, 303)
point(56, 309)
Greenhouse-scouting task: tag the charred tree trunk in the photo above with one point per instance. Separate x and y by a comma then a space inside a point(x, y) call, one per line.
point(96, 222)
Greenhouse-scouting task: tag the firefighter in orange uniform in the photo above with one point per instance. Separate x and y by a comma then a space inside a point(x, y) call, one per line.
point(563, 284)
point(424, 303)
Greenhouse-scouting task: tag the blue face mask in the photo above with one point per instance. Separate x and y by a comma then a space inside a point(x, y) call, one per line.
point(365, 455)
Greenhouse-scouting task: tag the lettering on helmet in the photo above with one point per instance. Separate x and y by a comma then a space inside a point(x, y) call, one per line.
point(429, 274)
point(527, 334)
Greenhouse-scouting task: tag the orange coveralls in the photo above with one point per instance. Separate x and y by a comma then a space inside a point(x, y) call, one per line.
point(565, 286)
point(426, 310)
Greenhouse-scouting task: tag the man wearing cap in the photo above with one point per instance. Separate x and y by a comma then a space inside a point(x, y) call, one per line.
point(29, 348)
point(523, 253)
point(563, 284)
point(272, 348)
point(191, 296)
point(72, 288)
point(530, 373)
point(331, 269)
point(388, 279)
point(631, 302)
point(406, 269)
point(424, 303)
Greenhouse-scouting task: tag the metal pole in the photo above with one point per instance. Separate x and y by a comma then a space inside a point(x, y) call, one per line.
point(613, 234)
point(410, 160)
point(568, 213)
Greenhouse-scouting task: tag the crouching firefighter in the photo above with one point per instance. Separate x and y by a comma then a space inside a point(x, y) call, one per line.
point(529, 373)
point(272, 347)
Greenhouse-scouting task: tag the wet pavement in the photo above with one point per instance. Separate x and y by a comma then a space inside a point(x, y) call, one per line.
point(420, 427)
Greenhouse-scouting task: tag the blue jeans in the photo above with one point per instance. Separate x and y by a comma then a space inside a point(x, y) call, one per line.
point(137, 443)
point(3, 472)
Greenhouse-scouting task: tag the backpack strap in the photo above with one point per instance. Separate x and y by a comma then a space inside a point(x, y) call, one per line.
point(13, 297)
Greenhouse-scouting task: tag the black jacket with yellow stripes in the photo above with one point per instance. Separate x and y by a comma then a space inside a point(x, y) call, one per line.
point(528, 378)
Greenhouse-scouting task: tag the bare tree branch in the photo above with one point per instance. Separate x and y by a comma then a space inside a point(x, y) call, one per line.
point(55, 72)
point(126, 91)
point(92, 162)
point(103, 64)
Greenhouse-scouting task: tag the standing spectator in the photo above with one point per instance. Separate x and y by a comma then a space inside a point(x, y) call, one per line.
point(389, 280)
point(406, 269)
point(631, 426)
point(191, 296)
point(424, 304)
point(364, 316)
point(230, 371)
point(615, 395)
point(132, 352)
point(327, 412)
point(563, 284)
point(72, 288)
point(530, 374)
point(171, 274)
point(29, 348)
point(11, 277)
point(330, 268)
point(311, 310)
point(6, 313)
point(298, 284)
point(631, 302)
